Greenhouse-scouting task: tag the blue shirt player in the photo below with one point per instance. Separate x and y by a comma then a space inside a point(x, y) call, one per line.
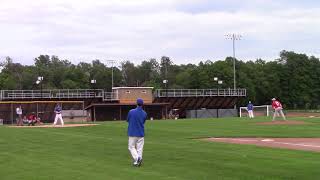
point(250, 109)
point(136, 119)
point(58, 117)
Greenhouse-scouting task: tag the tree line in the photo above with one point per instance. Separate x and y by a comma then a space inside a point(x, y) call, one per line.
point(293, 78)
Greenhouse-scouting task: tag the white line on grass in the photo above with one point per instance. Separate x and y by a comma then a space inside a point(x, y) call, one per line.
point(294, 144)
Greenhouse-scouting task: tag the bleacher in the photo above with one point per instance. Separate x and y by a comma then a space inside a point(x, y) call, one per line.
point(75, 94)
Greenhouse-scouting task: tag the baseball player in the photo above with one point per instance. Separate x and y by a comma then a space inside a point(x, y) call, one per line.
point(19, 115)
point(58, 111)
point(277, 106)
point(136, 119)
point(32, 119)
point(250, 109)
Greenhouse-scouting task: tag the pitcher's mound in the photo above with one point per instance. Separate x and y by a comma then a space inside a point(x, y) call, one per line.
point(282, 122)
point(56, 126)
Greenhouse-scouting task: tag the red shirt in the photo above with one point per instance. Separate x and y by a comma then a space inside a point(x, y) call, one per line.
point(31, 117)
point(276, 104)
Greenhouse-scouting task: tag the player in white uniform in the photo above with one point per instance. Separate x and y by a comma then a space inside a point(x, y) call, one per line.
point(19, 115)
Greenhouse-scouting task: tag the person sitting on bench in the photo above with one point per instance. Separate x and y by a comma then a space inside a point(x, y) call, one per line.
point(32, 119)
point(25, 120)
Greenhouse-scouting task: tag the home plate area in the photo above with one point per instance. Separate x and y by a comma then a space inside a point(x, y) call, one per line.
point(308, 144)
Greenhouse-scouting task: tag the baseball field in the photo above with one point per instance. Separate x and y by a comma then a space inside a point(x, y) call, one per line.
point(174, 149)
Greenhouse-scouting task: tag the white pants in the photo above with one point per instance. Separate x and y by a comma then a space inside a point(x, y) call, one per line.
point(277, 112)
point(135, 147)
point(250, 112)
point(58, 117)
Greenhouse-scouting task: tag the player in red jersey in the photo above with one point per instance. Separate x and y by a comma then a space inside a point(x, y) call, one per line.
point(277, 106)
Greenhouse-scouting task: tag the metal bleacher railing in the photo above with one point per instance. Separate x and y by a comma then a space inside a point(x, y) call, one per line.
point(58, 94)
point(112, 96)
point(199, 92)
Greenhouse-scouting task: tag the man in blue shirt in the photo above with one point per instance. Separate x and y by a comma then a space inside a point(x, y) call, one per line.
point(250, 109)
point(136, 119)
point(58, 111)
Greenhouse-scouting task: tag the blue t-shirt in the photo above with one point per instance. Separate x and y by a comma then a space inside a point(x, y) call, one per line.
point(58, 109)
point(136, 119)
point(250, 107)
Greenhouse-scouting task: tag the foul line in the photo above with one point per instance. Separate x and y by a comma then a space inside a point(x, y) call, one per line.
point(237, 139)
point(270, 142)
point(294, 144)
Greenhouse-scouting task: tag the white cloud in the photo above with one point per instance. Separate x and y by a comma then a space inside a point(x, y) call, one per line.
point(140, 29)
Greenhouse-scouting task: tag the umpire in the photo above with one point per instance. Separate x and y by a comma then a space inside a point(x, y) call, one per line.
point(136, 119)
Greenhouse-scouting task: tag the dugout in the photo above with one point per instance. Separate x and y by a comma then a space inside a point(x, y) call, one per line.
point(211, 113)
point(189, 106)
point(71, 110)
point(119, 111)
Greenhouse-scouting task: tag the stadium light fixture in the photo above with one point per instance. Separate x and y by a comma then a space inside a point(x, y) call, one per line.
point(165, 82)
point(39, 81)
point(93, 81)
point(234, 37)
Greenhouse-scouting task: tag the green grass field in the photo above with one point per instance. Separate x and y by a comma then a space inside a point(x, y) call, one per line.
point(172, 151)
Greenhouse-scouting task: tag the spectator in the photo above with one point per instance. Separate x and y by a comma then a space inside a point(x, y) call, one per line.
point(32, 119)
point(25, 120)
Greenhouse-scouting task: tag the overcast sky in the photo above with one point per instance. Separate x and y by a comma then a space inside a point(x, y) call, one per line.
point(188, 31)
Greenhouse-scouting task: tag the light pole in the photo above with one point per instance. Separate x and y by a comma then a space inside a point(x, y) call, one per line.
point(93, 82)
point(219, 82)
point(234, 37)
point(112, 62)
point(165, 82)
point(39, 81)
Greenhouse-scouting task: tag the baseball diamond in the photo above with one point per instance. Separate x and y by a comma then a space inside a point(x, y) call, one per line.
point(159, 90)
point(172, 150)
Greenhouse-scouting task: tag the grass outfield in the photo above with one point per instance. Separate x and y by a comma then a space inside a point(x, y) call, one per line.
point(171, 152)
